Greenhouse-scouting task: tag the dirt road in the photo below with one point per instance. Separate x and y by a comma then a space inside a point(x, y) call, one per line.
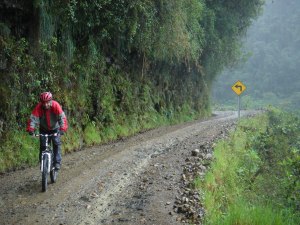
point(133, 181)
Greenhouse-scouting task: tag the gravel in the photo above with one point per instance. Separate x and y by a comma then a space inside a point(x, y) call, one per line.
point(144, 179)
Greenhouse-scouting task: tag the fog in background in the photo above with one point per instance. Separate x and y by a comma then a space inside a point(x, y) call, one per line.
point(271, 68)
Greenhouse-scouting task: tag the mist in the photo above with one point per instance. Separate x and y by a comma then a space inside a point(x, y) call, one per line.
point(270, 66)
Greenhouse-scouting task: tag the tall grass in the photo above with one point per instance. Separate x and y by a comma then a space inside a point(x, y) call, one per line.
point(243, 213)
point(249, 180)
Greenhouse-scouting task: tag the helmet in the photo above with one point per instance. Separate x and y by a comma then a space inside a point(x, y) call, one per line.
point(45, 97)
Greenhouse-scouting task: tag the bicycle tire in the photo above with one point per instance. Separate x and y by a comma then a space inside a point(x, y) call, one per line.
point(45, 173)
point(53, 175)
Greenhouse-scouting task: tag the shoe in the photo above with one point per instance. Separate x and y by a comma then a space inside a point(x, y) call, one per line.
point(57, 166)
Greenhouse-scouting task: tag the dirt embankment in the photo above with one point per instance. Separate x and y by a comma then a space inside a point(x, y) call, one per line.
point(145, 179)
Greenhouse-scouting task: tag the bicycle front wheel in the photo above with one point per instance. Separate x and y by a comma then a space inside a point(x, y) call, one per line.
point(53, 175)
point(45, 173)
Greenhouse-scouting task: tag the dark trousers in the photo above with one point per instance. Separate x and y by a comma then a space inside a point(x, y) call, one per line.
point(56, 143)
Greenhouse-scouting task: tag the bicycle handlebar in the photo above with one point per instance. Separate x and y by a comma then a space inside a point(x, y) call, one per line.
point(46, 135)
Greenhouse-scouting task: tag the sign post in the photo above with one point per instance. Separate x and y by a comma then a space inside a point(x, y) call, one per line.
point(238, 88)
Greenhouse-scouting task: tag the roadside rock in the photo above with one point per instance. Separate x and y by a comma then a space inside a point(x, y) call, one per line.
point(189, 205)
point(195, 152)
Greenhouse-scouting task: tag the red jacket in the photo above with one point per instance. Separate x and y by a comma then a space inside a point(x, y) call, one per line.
point(48, 119)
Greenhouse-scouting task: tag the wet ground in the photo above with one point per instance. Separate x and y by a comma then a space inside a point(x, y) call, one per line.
point(139, 180)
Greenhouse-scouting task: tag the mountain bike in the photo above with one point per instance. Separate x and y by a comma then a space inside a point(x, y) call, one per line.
point(46, 164)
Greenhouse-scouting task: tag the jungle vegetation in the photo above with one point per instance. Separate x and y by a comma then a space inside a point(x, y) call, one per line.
point(117, 67)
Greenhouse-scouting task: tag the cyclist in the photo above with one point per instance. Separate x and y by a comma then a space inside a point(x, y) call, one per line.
point(50, 118)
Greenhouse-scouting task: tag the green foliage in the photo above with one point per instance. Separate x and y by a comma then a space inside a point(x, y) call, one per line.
point(279, 147)
point(21, 150)
point(226, 23)
point(180, 36)
point(20, 78)
point(91, 135)
point(116, 67)
point(243, 213)
point(255, 176)
point(72, 140)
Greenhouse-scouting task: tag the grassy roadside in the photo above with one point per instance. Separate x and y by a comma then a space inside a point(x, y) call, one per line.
point(21, 150)
point(255, 177)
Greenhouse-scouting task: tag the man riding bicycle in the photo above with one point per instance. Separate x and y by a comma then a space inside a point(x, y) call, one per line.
point(51, 119)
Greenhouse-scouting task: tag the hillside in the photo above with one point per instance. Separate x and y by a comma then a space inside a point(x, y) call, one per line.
point(117, 67)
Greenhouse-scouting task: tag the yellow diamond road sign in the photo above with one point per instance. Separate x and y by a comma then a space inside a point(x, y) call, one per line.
point(238, 87)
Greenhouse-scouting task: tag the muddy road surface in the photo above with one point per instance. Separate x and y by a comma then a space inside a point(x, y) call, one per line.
point(132, 181)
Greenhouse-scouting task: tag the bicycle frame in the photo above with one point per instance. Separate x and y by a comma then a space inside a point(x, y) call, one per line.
point(47, 151)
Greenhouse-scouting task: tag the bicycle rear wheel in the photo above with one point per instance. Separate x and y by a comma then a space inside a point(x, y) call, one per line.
point(45, 173)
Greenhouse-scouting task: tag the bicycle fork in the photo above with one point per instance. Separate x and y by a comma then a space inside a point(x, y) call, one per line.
point(49, 160)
